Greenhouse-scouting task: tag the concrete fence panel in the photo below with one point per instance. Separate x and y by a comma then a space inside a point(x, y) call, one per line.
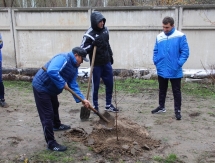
point(6, 30)
point(199, 26)
point(42, 34)
point(33, 36)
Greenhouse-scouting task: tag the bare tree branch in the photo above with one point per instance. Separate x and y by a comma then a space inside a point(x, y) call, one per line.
point(4, 2)
point(12, 3)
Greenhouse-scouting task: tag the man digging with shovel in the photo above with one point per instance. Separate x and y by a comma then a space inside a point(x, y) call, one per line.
point(59, 73)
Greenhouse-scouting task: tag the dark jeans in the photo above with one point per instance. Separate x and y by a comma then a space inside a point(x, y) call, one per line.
point(176, 89)
point(47, 107)
point(1, 83)
point(106, 73)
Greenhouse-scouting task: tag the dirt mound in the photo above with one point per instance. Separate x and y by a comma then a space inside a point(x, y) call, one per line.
point(125, 138)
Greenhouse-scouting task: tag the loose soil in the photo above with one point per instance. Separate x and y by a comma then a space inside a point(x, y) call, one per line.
point(136, 136)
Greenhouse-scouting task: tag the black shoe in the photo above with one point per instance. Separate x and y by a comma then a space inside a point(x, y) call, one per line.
point(3, 103)
point(178, 115)
point(158, 110)
point(62, 127)
point(57, 147)
point(111, 108)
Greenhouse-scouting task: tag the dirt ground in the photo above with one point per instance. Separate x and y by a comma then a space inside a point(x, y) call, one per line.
point(139, 135)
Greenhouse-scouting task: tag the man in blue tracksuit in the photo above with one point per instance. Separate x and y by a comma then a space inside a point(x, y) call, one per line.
point(2, 100)
point(98, 35)
point(170, 53)
point(60, 73)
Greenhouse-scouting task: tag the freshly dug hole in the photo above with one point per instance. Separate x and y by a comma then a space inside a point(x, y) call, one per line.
point(133, 140)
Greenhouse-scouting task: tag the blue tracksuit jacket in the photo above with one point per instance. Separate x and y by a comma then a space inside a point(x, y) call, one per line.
point(60, 69)
point(170, 53)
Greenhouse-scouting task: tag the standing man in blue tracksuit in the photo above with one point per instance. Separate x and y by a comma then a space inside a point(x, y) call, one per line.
point(170, 53)
point(61, 72)
point(98, 35)
point(2, 100)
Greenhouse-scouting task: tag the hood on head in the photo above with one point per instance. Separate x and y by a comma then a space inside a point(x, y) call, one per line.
point(95, 18)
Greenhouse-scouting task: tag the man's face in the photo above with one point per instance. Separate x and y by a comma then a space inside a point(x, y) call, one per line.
point(167, 27)
point(101, 24)
point(79, 59)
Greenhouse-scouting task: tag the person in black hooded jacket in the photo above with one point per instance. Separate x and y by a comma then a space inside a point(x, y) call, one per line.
point(98, 35)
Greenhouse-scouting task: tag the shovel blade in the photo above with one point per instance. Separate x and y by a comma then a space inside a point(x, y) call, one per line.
point(85, 113)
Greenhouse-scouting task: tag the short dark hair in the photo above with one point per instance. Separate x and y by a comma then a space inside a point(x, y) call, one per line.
point(167, 20)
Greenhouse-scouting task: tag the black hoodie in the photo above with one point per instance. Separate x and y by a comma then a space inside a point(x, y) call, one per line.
point(103, 53)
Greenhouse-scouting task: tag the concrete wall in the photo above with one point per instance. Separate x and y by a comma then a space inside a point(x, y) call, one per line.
point(32, 36)
point(199, 26)
point(8, 50)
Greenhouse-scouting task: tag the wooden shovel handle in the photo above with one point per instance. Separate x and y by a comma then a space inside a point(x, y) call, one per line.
point(90, 106)
point(72, 92)
point(91, 71)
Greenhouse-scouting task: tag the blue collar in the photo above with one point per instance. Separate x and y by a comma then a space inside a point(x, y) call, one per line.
point(170, 32)
point(72, 58)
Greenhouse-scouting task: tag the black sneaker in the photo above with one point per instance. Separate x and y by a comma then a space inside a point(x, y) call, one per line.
point(57, 147)
point(3, 103)
point(178, 115)
point(62, 127)
point(158, 110)
point(111, 108)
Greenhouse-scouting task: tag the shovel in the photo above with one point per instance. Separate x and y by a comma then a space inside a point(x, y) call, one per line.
point(85, 113)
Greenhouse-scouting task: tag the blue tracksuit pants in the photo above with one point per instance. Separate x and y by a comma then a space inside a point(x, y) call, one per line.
point(47, 107)
point(106, 73)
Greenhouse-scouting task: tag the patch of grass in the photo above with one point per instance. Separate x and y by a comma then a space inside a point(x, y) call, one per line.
point(121, 161)
point(18, 84)
point(90, 148)
point(132, 85)
point(148, 127)
point(211, 114)
point(198, 89)
point(68, 159)
point(158, 158)
point(171, 158)
point(165, 139)
point(129, 85)
point(53, 156)
point(67, 156)
point(85, 158)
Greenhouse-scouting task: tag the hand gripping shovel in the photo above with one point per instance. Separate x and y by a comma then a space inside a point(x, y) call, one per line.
point(85, 113)
point(90, 107)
